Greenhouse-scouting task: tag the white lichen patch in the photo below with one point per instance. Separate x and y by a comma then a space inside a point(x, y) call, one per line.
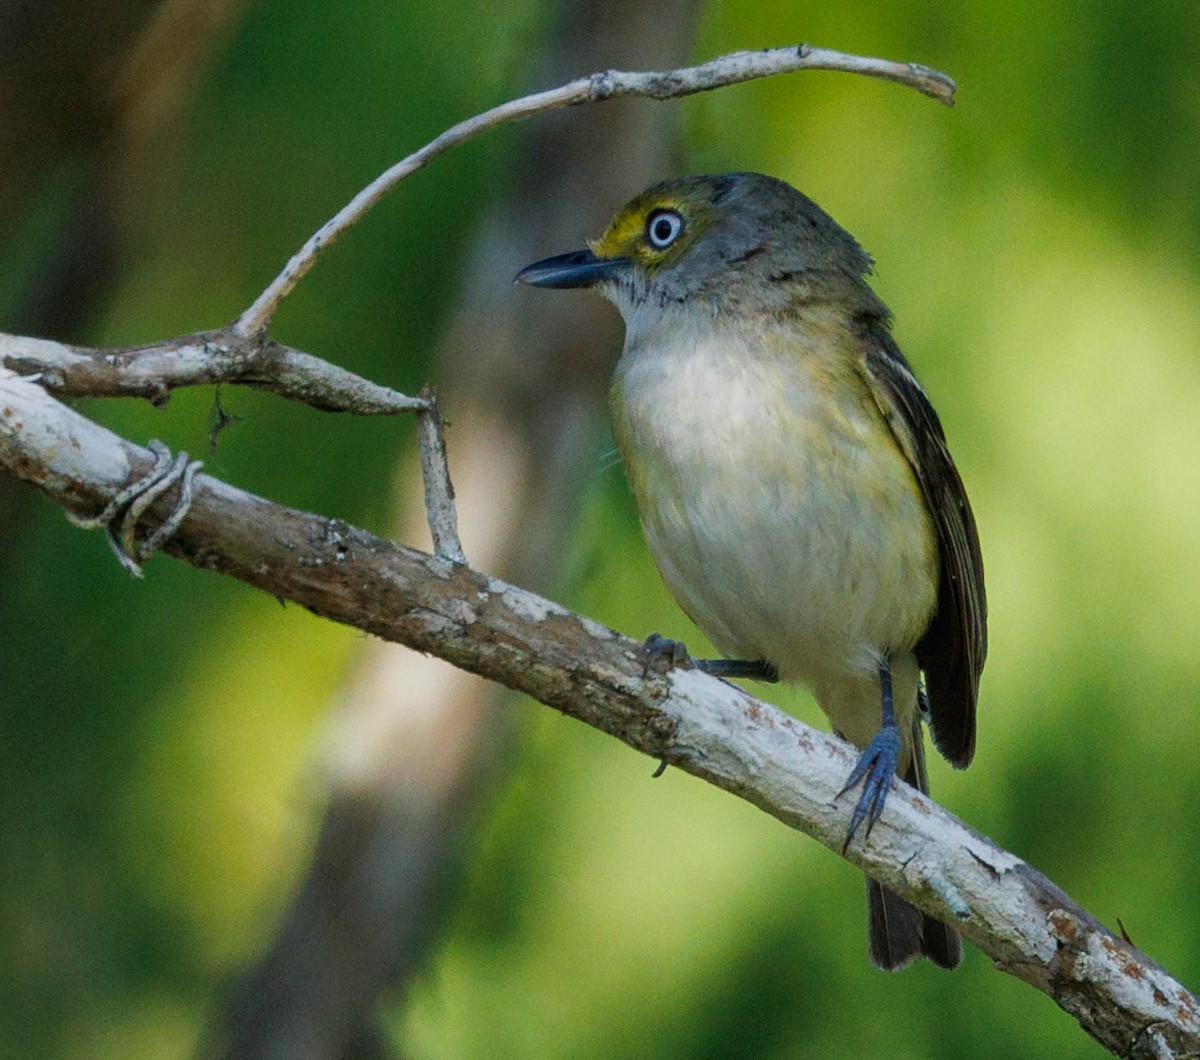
point(597, 629)
point(526, 605)
point(433, 622)
point(459, 612)
point(997, 860)
point(440, 566)
point(44, 351)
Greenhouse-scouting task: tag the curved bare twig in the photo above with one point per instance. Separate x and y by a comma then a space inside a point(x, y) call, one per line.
point(728, 69)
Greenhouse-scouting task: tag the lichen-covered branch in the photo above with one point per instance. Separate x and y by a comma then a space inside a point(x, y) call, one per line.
point(153, 371)
point(710, 729)
point(728, 69)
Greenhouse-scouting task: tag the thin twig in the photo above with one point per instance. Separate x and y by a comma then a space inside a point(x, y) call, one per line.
point(609, 84)
point(435, 472)
point(701, 725)
point(153, 371)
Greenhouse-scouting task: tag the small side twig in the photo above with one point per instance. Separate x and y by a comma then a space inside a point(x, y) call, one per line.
point(435, 473)
point(608, 84)
point(153, 371)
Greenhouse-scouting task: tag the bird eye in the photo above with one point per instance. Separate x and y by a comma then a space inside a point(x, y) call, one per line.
point(663, 228)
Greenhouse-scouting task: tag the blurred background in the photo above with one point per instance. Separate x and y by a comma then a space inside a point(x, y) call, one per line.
point(231, 828)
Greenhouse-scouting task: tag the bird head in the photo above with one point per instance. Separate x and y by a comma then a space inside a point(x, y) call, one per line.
point(740, 242)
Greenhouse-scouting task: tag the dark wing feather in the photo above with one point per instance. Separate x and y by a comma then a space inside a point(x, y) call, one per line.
point(952, 651)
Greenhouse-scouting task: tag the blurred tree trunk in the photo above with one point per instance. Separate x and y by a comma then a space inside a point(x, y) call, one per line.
point(415, 745)
point(88, 97)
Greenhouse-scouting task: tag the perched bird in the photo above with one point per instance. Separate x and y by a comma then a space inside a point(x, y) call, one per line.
point(793, 480)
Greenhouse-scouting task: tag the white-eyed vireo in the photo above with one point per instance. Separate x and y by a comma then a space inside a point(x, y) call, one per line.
point(793, 480)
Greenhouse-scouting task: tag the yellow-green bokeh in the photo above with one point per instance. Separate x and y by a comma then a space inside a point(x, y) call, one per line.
point(1037, 245)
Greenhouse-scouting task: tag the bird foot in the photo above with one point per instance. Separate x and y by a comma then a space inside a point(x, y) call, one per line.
point(130, 504)
point(663, 655)
point(875, 769)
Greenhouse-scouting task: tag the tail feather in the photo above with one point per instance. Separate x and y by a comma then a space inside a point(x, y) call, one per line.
point(898, 932)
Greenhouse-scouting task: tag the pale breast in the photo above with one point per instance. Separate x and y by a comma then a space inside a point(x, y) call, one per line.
point(774, 500)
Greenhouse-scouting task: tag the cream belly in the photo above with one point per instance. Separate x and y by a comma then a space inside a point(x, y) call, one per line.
point(784, 520)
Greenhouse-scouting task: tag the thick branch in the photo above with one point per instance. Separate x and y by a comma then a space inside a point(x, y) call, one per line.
point(728, 69)
point(701, 725)
point(153, 371)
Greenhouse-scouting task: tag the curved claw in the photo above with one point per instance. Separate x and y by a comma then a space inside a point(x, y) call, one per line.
point(875, 769)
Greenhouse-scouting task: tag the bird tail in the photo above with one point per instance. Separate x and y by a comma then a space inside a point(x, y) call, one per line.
point(899, 932)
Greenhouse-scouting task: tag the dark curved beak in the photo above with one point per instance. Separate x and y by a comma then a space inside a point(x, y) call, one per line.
point(580, 268)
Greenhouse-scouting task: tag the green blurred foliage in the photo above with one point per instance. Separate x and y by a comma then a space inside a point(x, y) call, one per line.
point(1037, 244)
